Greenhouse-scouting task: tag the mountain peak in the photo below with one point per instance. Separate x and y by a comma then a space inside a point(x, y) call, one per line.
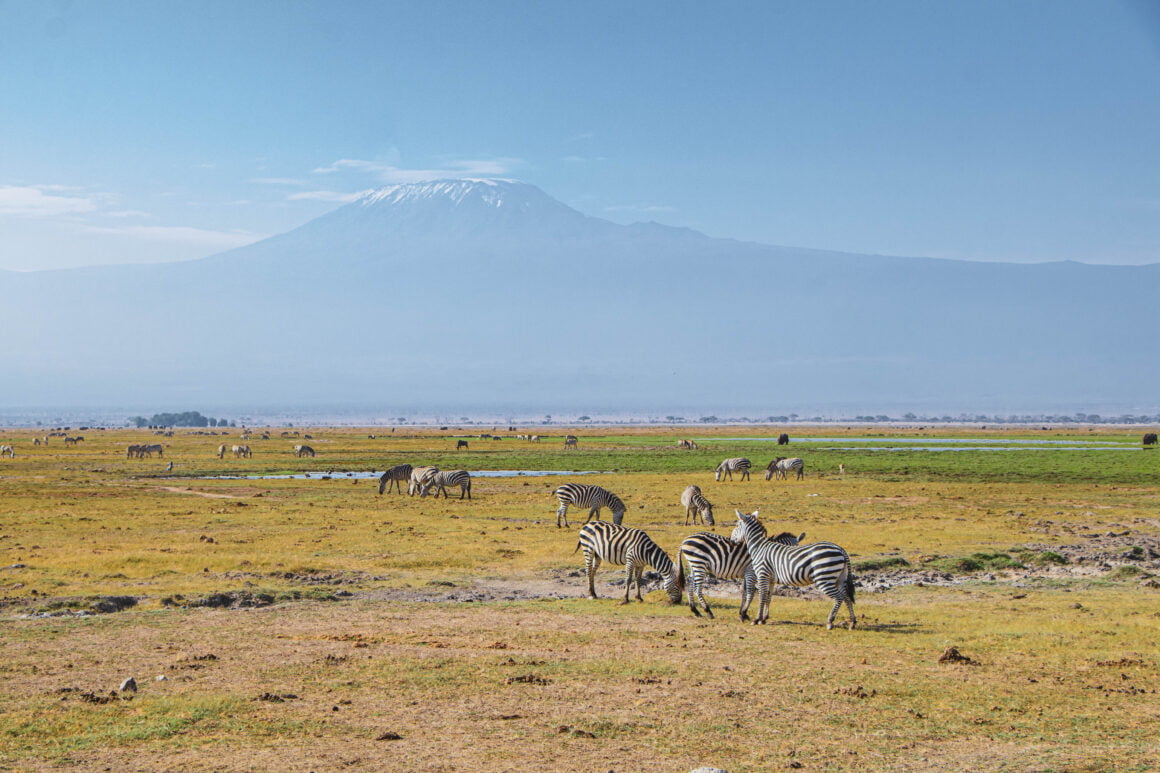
point(490, 191)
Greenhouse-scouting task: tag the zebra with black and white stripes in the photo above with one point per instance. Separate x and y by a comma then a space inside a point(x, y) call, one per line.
point(821, 564)
point(444, 478)
point(603, 541)
point(420, 477)
point(394, 477)
point(730, 466)
point(696, 505)
point(781, 466)
point(725, 558)
point(592, 497)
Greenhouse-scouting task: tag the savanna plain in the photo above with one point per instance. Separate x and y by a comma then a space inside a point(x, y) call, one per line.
point(1008, 609)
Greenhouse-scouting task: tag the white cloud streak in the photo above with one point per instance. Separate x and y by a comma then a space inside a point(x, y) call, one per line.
point(325, 196)
point(180, 234)
point(33, 201)
point(388, 173)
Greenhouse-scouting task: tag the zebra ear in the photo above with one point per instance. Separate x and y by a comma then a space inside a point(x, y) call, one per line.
point(738, 512)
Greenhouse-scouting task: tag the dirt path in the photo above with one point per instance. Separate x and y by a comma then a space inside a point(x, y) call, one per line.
point(178, 490)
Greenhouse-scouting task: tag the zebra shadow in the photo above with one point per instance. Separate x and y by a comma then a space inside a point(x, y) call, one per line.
point(898, 628)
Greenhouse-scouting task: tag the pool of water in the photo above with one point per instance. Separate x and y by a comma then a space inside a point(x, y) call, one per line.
point(375, 475)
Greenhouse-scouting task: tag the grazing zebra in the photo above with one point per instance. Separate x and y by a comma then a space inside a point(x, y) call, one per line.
point(730, 466)
point(441, 480)
point(711, 554)
point(780, 466)
point(632, 548)
point(70, 441)
point(8, 450)
point(419, 478)
point(592, 497)
point(240, 451)
point(696, 505)
point(149, 450)
point(222, 451)
point(394, 477)
point(133, 451)
point(461, 444)
point(533, 438)
point(688, 445)
point(301, 451)
point(822, 564)
point(570, 442)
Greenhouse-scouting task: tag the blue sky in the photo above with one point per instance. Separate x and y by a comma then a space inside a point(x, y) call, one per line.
point(1008, 130)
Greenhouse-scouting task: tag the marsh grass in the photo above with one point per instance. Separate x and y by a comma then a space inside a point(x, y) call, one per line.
point(1064, 667)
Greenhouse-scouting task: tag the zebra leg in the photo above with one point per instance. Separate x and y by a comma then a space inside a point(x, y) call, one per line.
point(833, 613)
point(562, 512)
point(747, 587)
point(853, 620)
point(593, 512)
point(591, 564)
point(704, 601)
point(639, 574)
point(694, 591)
point(628, 582)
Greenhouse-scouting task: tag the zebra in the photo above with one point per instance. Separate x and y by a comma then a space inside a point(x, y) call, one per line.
point(133, 451)
point(301, 451)
point(240, 451)
point(687, 445)
point(592, 497)
point(696, 504)
point(570, 442)
point(780, 466)
point(441, 480)
point(633, 548)
point(726, 558)
point(822, 564)
point(221, 452)
point(419, 478)
point(394, 477)
point(6, 449)
point(730, 466)
point(149, 450)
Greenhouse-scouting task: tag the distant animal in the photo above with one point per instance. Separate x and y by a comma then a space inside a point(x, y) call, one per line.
point(783, 439)
point(841, 469)
point(592, 497)
point(631, 548)
point(419, 478)
point(395, 477)
point(461, 444)
point(242, 451)
point(6, 449)
point(570, 442)
point(781, 466)
point(36, 441)
point(726, 558)
point(70, 441)
point(730, 466)
point(221, 451)
point(169, 467)
point(696, 505)
point(301, 451)
point(822, 564)
point(688, 445)
point(154, 448)
point(1150, 439)
point(133, 451)
point(534, 438)
point(442, 479)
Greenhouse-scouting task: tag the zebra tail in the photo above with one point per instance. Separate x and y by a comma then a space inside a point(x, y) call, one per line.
point(680, 573)
point(577, 547)
point(850, 585)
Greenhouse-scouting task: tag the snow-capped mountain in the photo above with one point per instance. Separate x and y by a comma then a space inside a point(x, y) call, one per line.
point(470, 291)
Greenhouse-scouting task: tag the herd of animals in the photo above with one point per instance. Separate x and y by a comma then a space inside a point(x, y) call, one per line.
point(749, 554)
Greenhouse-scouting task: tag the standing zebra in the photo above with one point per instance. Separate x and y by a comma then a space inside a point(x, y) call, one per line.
point(301, 451)
point(419, 478)
point(633, 548)
point(728, 559)
point(780, 466)
point(696, 504)
point(822, 564)
point(730, 466)
point(442, 479)
point(394, 477)
point(570, 442)
point(592, 497)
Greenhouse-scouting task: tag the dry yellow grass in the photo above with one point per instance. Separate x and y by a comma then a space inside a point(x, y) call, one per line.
point(1065, 661)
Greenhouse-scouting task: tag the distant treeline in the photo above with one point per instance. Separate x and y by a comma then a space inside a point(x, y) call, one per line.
point(187, 419)
point(1040, 418)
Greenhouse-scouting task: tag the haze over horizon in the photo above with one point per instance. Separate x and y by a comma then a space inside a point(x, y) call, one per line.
point(995, 131)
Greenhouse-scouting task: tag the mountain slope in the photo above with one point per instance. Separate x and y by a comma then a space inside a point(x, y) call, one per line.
point(488, 292)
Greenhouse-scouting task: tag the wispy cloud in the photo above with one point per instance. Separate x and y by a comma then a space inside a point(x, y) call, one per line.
point(128, 213)
point(182, 234)
point(389, 173)
point(325, 196)
point(34, 201)
point(276, 181)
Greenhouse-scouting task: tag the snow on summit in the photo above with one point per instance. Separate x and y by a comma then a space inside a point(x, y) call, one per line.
point(491, 191)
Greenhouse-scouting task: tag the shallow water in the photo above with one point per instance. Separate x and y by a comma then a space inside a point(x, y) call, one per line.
point(375, 475)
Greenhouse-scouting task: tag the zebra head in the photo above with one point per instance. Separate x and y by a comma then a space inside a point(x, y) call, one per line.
point(707, 514)
point(747, 526)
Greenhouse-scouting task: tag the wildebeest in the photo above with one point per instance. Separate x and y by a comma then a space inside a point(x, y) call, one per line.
point(395, 477)
point(301, 451)
point(783, 439)
point(461, 444)
point(1150, 439)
